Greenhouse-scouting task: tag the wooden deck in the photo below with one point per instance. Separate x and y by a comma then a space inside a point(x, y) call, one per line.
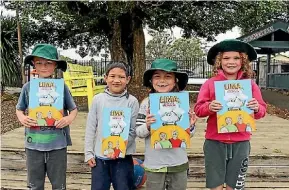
point(82, 182)
point(269, 161)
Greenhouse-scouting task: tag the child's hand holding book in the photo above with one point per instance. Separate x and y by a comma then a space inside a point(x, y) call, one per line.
point(63, 122)
point(253, 104)
point(149, 119)
point(215, 106)
point(26, 120)
point(193, 117)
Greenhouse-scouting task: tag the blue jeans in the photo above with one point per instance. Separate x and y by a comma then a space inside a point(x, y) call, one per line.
point(119, 172)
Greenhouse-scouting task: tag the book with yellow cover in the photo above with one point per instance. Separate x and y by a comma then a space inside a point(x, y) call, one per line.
point(115, 131)
point(46, 101)
point(172, 126)
point(234, 96)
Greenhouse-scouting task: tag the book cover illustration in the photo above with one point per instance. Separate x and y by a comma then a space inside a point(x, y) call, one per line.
point(234, 96)
point(46, 101)
point(172, 126)
point(115, 131)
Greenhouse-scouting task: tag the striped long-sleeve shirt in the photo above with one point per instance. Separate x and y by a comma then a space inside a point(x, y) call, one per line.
point(160, 158)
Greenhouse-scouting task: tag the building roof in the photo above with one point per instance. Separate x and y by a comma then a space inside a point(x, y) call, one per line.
point(271, 38)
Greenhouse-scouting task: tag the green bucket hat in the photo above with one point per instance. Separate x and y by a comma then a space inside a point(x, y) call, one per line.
point(168, 66)
point(46, 51)
point(231, 45)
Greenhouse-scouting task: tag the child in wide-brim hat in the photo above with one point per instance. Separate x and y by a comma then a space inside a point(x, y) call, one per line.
point(165, 168)
point(227, 154)
point(49, 157)
point(47, 52)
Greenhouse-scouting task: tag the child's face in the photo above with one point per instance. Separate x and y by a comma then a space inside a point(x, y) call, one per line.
point(240, 118)
point(175, 134)
point(45, 68)
point(117, 144)
point(49, 114)
point(39, 115)
point(228, 120)
point(163, 136)
point(163, 81)
point(116, 80)
point(231, 62)
point(109, 144)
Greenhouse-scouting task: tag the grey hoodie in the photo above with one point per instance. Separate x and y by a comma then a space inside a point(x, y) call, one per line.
point(93, 133)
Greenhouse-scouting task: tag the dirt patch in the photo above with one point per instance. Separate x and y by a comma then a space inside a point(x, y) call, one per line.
point(81, 103)
point(9, 120)
point(280, 91)
point(283, 113)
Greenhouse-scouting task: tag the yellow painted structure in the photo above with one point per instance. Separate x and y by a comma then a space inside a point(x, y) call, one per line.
point(81, 82)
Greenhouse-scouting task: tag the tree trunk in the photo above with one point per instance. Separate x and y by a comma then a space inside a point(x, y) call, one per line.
point(116, 50)
point(121, 42)
point(128, 44)
point(138, 53)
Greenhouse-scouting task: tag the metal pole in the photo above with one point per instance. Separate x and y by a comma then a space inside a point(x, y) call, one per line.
point(258, 70)
point(269, 63)
point(268, 69)
point(20, 46)
point(203, 67)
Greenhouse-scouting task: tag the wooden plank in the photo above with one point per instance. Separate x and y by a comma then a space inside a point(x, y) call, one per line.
point(281, 171)
point(77, 75)
point(79, 83)
point(17, 180)
point(78, 68)
point(194, 160)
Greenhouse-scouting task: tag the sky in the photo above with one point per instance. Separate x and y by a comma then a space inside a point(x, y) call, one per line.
point(177, 32)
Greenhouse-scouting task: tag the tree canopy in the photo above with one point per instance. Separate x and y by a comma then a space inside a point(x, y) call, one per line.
point(163, 44)
point(159, 44)
point(186, 49)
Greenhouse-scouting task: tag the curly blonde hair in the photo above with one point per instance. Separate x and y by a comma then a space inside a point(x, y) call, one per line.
point(246, 65)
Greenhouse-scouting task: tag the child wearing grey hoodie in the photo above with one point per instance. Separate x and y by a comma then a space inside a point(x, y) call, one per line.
point(105, 171)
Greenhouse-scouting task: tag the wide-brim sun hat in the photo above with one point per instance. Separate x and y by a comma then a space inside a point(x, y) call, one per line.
point(168, 66)
point(231, 45)
point(48, 52)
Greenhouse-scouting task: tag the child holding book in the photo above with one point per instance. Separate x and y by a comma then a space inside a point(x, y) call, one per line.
point(227, 154)
point(165, 168)
point(118, 171)
point(50, 157)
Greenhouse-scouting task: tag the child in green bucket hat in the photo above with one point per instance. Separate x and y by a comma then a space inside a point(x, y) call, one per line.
point(227, 154)
point(165, 168)
point(47, 52)
point(50, 157)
